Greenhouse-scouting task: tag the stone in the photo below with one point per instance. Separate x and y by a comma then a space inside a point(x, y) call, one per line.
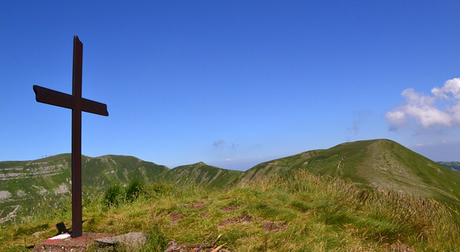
point(129, 241)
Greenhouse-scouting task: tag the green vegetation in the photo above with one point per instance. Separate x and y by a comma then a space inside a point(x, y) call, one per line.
point(114, 195)
point(27, 183)
point(380, 164)
point(300, 212)
point(201, 174)
point(363, 196)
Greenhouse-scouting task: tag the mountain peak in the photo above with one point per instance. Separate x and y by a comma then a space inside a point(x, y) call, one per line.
point(381, 163)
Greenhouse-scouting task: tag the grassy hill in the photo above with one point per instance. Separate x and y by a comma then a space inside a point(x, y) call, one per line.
point(381, 164)
point(24, 184)
point(371, 195)
point(201, 174)
point(302, 212)
point(112, 169)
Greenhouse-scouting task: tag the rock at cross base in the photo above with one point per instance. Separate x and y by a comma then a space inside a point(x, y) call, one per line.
point(129, 241)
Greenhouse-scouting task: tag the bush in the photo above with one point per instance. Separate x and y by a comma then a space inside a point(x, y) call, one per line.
point(113, 195)
point(134, 189)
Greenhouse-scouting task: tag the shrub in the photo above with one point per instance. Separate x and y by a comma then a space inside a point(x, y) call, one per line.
point(134, 189)
point(113, 195)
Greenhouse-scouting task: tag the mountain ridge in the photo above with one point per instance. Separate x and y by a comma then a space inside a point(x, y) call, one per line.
point(376, 164)
point(382, 164)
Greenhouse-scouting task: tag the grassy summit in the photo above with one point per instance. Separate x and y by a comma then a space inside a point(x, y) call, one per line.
point(362, 196)
point(201, 174)
point(302, 212)
point(381, 164)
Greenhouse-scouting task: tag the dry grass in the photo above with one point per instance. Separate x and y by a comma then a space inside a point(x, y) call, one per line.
point(301, 213)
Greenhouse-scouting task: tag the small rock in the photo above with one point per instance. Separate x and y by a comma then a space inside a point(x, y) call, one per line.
point(129, 241)
point(38, 234)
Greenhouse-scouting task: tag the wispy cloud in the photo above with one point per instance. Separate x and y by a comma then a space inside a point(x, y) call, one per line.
point(423, 144)
point(442, 142)
point(425, 109)
point(218, 144)
point(359, 117)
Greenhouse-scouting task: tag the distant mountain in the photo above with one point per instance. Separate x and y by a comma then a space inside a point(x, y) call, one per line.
point(451, 165)
point(202, 174)
point(381, 164)
point(26, 183)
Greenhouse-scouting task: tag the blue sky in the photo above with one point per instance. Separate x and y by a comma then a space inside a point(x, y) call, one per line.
point(232, 83)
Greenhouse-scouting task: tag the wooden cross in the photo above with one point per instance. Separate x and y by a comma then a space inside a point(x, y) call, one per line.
point(77, 104)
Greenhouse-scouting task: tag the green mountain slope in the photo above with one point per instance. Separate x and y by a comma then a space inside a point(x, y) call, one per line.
point(26, 183)
point(203, 175)
point(381, 164)
point(114, 169)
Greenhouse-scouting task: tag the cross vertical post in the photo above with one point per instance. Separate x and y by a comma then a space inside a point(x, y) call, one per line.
point(77, 104)
point(76, 137)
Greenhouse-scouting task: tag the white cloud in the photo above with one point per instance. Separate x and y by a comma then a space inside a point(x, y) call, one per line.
point(451, 86)
point(423, 108)
point(229, 159)
point(396, 118)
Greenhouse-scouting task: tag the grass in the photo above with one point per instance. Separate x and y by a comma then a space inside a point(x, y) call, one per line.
point(302, 212)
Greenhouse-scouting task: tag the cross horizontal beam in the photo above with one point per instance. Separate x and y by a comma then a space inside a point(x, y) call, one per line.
point(52, 97)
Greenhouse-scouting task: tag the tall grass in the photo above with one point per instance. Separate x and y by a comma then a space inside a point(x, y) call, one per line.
point(384, 217)
point(297, 212)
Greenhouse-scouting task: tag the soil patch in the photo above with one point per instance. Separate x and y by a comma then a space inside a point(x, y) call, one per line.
point(175, 217)
point(273, 226)
point(78, 244)
point(268, 226)
point(245, 218)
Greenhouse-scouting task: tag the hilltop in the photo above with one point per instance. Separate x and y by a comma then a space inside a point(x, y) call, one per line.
point(300, 212)
point(381, 164)
point(201, 174)
point(373, 195)
point(24, 184)
point(377, 164)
